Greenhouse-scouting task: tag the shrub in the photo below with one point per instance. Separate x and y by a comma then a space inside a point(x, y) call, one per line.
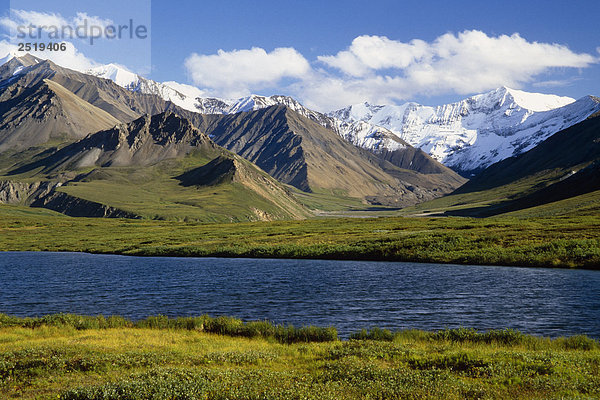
point(373, 334)
point(579, 342)
point(460, 335)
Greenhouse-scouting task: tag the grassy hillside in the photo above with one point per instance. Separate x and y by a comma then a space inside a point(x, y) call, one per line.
point(75, 357)
point(155, 192)
point(552, 241)
point(139, 169)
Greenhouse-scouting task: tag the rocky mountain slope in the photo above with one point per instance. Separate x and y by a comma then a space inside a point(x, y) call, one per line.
point(145, 141)
point(569, 151)
point(298, 151)
point(467, 136)
point(35, 109)
point(50, 113)
point(362, 134)
point(294, 144)
point(267, 139)
point(119, 102)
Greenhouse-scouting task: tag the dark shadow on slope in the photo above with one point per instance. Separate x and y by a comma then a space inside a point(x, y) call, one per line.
point(220, 170)
point(578, 183)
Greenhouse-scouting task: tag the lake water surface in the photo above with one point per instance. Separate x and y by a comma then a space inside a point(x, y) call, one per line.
point(349, 295)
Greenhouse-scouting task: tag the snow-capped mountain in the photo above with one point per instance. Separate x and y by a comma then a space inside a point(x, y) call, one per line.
point(181, 95)
point(476, 132)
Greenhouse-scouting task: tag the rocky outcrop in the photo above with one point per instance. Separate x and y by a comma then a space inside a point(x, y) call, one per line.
point(145, 141)
point(24, 193)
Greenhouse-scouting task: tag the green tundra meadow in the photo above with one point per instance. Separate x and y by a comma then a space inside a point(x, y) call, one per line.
point(74, 357)
point(570, 241)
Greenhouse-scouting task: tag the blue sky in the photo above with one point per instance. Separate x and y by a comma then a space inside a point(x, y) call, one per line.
point(330, 53)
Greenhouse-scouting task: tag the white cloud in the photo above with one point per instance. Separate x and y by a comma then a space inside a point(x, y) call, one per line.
point(327, 92)
point(470, 62)
point(8, 24)
point(83, 18)
point(52, 24)
point(368, 53)
point(238, 72)
point(7, 48)
point(38, 19)
point(557, 82)
point(188, 90)
point(71, 58)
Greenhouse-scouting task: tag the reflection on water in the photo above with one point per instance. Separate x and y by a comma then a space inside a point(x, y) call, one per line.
point(349, 295)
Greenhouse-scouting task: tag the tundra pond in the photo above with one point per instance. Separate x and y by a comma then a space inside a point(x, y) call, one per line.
point(348, 295)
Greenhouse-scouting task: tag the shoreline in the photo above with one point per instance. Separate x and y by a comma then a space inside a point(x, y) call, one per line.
point(275, 256)
point(67, 360)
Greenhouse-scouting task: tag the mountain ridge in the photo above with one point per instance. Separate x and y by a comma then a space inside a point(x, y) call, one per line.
point(466, 136)
point(299, 151)
point(562, 170)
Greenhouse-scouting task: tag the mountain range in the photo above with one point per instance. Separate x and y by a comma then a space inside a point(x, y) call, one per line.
point(558, 177)
point(565, 166)
point(466, 136)
point(107, 142)
point(91, 137)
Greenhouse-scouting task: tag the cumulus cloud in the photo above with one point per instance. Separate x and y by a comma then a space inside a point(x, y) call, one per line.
point(470, 62)
point(79, 32)
point(82, 18)
point(236, 73)
point(369, 53)
point(330, 93)
point(188, 90)
point(70, 58)
point(35, 18)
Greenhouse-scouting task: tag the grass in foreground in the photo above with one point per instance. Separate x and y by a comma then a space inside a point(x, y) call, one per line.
point(572, 241)
point(77, 357)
